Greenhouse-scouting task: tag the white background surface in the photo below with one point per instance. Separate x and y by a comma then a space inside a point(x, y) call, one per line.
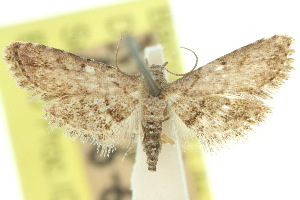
point(267, 167)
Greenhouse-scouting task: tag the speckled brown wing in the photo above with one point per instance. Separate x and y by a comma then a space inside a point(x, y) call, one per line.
point(105, 121)
point(88, 98)
point(52, 73)
point(223, 99)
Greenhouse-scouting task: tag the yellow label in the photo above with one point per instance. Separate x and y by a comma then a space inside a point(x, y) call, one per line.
point(51, 166)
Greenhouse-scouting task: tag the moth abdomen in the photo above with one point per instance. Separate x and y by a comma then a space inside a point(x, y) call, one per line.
point(152, 143)
point(153, 116)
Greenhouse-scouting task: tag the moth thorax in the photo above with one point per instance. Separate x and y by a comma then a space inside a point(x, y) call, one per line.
point(158, 75)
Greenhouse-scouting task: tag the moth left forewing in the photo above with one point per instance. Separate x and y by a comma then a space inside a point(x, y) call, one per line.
point(222, 100)
point(253, 71)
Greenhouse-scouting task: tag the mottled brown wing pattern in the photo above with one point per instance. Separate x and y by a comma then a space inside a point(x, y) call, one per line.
point(52, 73)
point(105, 120)
point(253, 70)
point(223, 99)
point(215, 104)
point(90, 99)
point(217, 120)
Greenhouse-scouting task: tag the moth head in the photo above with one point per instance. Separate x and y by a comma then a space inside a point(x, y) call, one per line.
point(155, 68)
point(157, 73)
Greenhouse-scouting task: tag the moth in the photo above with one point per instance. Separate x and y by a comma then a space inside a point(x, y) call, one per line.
point(215, 104)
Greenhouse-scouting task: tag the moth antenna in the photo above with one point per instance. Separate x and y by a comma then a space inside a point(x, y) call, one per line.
point(175, 74)
point(116, 60)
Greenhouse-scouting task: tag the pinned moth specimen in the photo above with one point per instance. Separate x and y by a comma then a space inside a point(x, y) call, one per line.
point(216, 104)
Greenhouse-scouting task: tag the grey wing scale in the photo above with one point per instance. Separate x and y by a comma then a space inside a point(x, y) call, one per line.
point(223, 99)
